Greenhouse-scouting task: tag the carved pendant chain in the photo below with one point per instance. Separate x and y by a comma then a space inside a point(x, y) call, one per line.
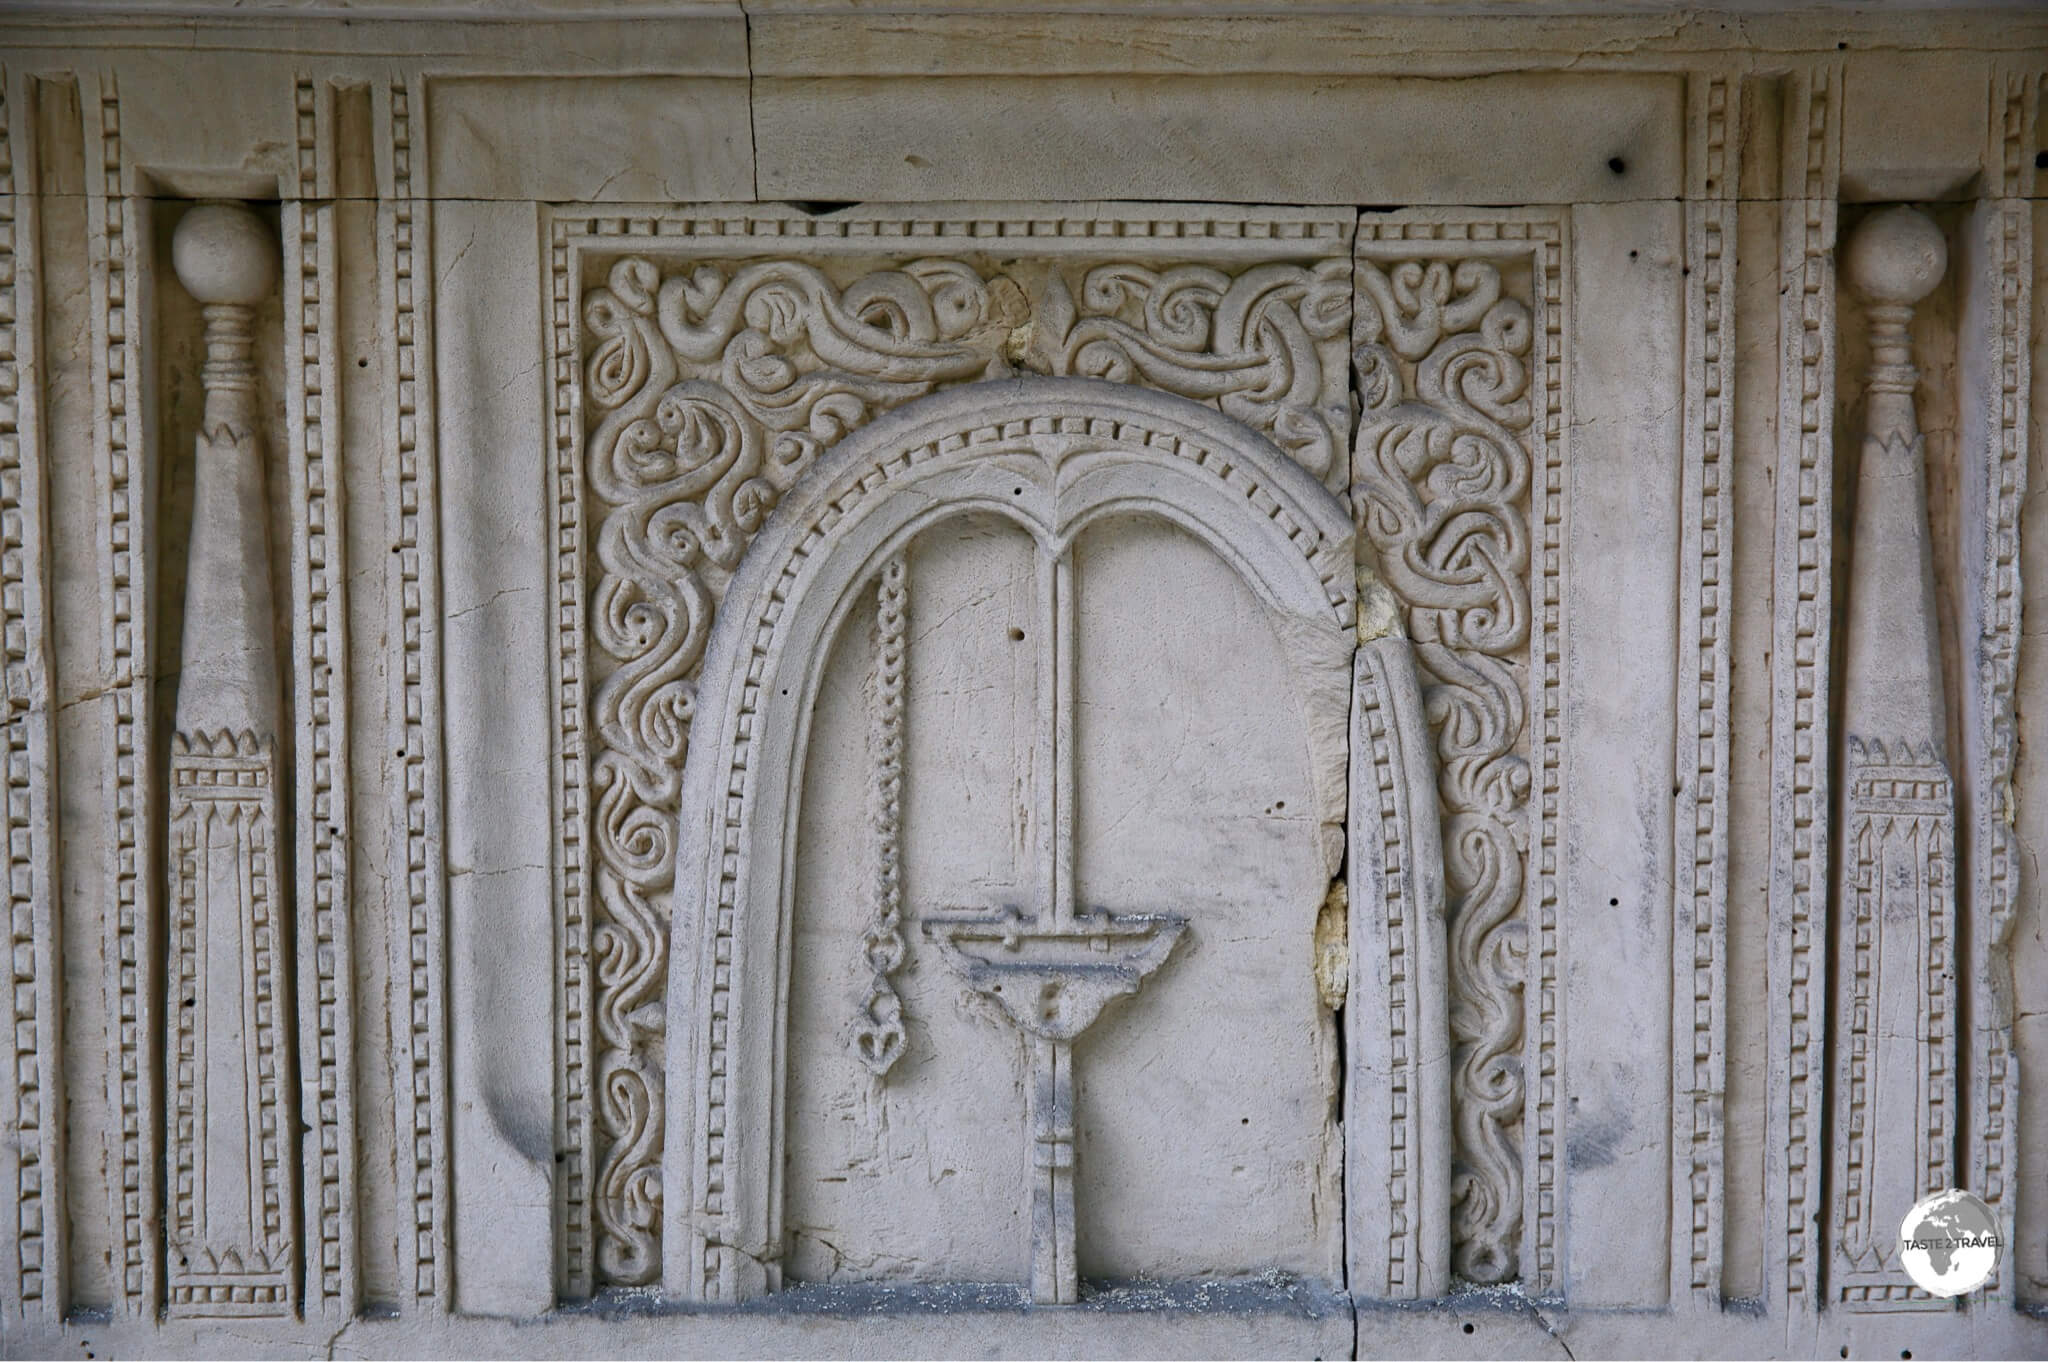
point(878, 1035)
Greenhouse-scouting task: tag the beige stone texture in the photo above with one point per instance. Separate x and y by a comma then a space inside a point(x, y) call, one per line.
point(900, 678)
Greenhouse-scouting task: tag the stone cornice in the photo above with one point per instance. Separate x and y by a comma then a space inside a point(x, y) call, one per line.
point(798, 38)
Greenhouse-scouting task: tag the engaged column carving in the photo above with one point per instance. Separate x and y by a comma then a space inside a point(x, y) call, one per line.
point(231, 1232)
point(1894, 1017)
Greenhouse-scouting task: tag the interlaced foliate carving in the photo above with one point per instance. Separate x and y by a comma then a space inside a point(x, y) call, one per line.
point(708, 386)
point(1267, 345)
point(1441, 485)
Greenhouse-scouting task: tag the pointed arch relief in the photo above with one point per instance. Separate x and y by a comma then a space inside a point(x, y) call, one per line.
point(808, 958)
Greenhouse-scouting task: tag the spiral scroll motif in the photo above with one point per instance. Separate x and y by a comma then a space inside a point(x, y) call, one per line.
point(1441, 483)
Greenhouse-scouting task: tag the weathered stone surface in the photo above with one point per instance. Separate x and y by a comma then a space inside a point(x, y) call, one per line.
point(818, 679)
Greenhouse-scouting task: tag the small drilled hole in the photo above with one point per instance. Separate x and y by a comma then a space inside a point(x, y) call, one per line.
point(362, 364)
point(1614, 903)
point(1617, 165)
point(1468, 1329)
point(1016, 634)
point(2041, 160)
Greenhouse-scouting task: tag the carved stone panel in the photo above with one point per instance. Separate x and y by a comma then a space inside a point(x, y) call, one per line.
point(635, 727)
point(708, 382)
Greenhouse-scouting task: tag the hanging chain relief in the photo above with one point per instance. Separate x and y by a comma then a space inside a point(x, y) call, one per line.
point(878, 1037)
point(708, 386)
point(1442, 475)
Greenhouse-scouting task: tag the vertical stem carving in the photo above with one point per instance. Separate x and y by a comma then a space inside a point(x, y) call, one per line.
point(1051, 974)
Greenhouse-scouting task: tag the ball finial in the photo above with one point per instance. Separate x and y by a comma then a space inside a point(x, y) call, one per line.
point(224, 254)
point(1896, 255)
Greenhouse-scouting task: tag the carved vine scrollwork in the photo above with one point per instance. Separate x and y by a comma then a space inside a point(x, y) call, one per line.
point(711, 391)
point(1442, 480)
point(1267, 345)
